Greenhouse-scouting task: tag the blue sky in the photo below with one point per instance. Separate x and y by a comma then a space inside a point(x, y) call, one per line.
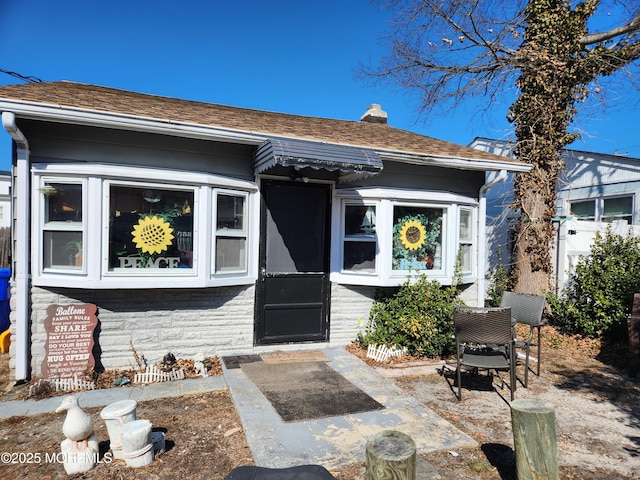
point(287, 56)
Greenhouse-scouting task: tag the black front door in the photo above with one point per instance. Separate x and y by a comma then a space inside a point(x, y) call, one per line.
point(293, 284)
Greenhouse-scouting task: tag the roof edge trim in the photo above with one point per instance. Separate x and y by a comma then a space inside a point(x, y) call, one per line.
point(121, 121)
point(456, 162)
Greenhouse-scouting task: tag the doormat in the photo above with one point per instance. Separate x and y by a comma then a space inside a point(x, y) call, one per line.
point(300, 356)
point(234, 361)
point(302, 391)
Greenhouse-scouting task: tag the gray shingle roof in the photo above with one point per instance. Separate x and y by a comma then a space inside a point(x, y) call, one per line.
point(363, 134)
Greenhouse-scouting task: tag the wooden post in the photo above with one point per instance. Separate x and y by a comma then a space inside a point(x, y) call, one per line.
point(391, 455)
point(534, 438)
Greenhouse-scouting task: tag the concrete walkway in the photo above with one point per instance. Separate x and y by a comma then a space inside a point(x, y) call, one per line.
point(337, 441)
point(330, 442)
point(104, 397)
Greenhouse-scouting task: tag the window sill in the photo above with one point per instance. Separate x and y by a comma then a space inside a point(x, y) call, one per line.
point(121, 282)
point(394, 281)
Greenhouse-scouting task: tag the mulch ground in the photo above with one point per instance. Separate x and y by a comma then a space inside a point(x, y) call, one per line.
point(205, 439)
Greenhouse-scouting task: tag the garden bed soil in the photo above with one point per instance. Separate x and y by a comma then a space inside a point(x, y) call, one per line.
point(596, 414)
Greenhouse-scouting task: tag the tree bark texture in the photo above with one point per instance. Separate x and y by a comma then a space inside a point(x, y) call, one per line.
point(549, 87)
point(633, 325)
point(534, 437)
point(390, 455)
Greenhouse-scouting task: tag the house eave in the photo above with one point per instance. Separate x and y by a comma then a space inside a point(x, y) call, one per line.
point(454, 162)
point(121, 121)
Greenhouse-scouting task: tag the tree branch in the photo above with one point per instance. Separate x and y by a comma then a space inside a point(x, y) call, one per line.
point(632, 26)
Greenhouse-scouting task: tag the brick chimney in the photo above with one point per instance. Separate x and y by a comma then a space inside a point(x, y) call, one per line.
point(374, 114)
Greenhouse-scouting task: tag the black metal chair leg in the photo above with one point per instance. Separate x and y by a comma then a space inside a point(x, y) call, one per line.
point(539, 350)
point(459, 383)
point(526, 366)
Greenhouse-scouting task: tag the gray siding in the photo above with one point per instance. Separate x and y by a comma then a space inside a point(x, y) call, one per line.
point(399, 175)
point(56, 143)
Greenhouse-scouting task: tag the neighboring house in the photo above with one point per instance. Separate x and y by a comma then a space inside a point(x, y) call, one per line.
point(201, 228)
point(595, 191)
point(5, 199)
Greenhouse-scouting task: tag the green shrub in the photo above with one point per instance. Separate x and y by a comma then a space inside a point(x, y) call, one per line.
point(599, 294)
point(419, 317)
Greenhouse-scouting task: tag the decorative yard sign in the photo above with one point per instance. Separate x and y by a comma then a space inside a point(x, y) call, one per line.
point(69, 340)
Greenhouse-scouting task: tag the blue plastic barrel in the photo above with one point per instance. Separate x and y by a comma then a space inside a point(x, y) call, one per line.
point(5, 275)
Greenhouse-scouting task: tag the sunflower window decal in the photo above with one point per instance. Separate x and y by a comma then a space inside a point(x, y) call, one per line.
point(152, 234)
point(413, 234)
point(417, 237)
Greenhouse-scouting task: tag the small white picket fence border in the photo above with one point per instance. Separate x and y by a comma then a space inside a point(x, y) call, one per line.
point(71, 384)
point(381, 353)
point(154, 374)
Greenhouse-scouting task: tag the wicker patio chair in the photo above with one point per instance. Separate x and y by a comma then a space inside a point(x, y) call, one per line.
point(527, 310)
point(484, 341)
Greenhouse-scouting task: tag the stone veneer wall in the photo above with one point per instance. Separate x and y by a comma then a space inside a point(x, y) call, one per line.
point(350, 306)
point(212, 321)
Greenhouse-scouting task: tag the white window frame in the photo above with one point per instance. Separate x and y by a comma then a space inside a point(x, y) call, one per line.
point(96, 180)
point(599, 202)
point(631, 214)
point(239, 233)
point(444, 245)
point(585, 200)
point(42, 226)
point(146, 272)
point(385, 199)
point(469, 241)
point(373, 238)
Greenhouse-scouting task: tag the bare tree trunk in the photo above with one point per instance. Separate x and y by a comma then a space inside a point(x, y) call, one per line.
point(532, 250)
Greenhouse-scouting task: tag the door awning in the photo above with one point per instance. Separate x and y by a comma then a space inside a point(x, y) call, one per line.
point(351, 162)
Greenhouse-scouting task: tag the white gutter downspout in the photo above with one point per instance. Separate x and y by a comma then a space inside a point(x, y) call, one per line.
point(21, 246)
point(482, 234)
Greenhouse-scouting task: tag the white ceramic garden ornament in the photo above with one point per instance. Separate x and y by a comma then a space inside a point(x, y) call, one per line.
point(198, 364)
point(78, 425)
point(81, 443)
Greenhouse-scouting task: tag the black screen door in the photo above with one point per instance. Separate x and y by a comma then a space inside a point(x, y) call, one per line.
point(293, 295)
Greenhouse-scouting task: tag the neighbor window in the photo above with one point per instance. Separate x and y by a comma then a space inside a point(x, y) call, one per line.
point(617, 209)
point(604, 209)
point(62, 231)
point(584, 210)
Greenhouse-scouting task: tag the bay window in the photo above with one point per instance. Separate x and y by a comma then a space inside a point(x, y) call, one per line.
point(171, 230)
point(386, 235)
